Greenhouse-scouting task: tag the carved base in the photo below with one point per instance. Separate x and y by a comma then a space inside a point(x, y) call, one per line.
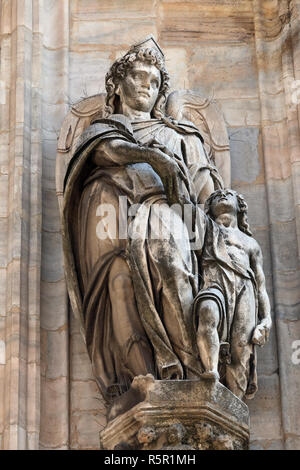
point(178, 415)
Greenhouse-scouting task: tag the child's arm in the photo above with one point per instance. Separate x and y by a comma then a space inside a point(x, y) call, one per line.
point(262, 330)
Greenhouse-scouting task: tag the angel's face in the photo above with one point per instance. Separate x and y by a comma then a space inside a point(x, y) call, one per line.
point(140, 87)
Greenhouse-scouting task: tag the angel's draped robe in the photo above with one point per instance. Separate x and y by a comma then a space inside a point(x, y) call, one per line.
point(164, 269)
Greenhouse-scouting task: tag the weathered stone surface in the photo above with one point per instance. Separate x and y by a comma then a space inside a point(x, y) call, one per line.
point(87, 73)
point(54, 409)
point(256, 197)
point(178, 415)
point(232, 68)
point(275, 139)
point(265, 444)
point(54, 296)
point(56, 354)
point(176, 60)
point(285, 253)
point(289, 365)
point(265, 408)
point(81, 365)
point(239, 113)
point(52, 257)
point(91, 10)
point(2, 352)
point(282, 209)
point(85, 430)
point(85, 396)
point(111, 32)
point(245, 163)
point(287, 295)
point(220, 22)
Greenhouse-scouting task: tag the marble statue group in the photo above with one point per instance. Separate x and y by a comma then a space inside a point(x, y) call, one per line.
point(177, 307)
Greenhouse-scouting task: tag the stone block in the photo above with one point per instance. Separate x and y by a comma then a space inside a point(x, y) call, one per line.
point(81, 368)
point(176, 414)
point(52, 257)
point(3, 242)
point(176, 64)
point(33, 341)
point(54, 429)
point(241, 113)
point(276, 151)
point(55, 21)
point(85, 10)
point(2, 390)
point(57, 354)
point(112, 32)
point(2, 292)
point(15, 391)
point(281, 205)
point(292, 443)
point(2, 352)
point(49, 166)
point(267, 360)
point(245, 162)
point(3, 195)
point(287, 295)
point(265, 444)
point(53, 304)
point(51, 218)
point(264, 409)
point(296, 180)
point(55, 70)
point(216, 22)
point(262, 236)
point(54, 115)
point(85, 428)
point(284, 246)
point(273, 107)
point(227, 71)
point(14, 437)
point(87, 73)
point(288, 334)
point(85, 397)
point(256, 197)
point(33, 401)
point(32, 441)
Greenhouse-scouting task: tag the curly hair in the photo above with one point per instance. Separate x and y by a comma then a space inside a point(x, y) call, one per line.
point(242, 215)
point(118, 71)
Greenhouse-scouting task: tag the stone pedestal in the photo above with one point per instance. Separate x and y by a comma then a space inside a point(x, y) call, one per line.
point(178, 415)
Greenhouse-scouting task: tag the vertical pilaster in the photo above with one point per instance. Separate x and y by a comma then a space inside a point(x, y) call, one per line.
point(22, 236)
point(55, 390)
point(280, 134)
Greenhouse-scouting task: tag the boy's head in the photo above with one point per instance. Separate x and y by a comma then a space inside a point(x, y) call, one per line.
point(228, 201)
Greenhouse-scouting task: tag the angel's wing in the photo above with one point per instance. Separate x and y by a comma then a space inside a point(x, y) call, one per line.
point(205, 114)
point(76, 121)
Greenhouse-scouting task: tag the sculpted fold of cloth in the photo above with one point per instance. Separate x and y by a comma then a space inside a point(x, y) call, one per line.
point(136, 293)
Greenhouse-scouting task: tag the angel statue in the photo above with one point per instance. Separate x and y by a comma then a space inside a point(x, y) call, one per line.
point(134, 295)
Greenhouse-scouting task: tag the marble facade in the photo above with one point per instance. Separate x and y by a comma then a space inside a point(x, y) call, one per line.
point(54, 52)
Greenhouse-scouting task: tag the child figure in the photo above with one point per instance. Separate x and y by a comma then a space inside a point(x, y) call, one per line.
point(232, 307)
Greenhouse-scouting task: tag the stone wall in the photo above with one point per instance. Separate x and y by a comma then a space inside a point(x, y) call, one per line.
point(54, 52)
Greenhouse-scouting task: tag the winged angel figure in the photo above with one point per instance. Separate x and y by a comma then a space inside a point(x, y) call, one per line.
point(142, 155)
